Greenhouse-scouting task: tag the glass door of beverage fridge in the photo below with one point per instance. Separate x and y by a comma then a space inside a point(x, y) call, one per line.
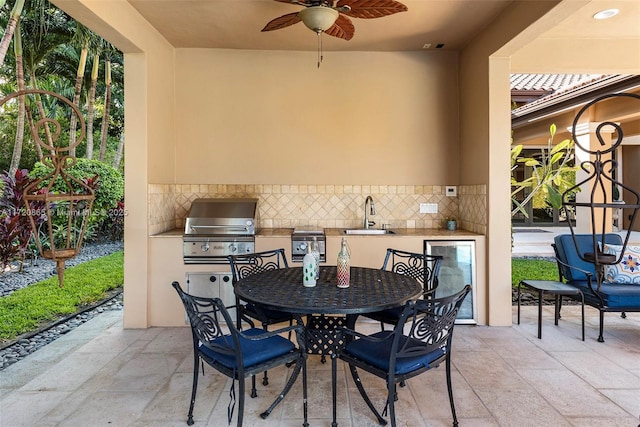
point(458, 269)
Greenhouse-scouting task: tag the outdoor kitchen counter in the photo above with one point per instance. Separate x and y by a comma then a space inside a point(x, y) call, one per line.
point(176, 232)
point(274, 232)
point(263, 232)
point(428, 233)
point(431, 233)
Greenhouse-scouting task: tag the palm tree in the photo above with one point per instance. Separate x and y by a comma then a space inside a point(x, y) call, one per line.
point(47, 28)
point(11, 26)
point(82, 37)
point(91, 104)
point(49, 62)
point(17, 148)
point(104, 131)
point(118, 158)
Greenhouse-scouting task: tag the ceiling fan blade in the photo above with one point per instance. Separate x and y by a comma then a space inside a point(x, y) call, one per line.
point(301, 3)
point(282, 21)
point(368, 9)
point(342, 29)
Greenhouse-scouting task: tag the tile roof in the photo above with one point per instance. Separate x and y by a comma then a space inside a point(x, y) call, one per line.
point(562, 88)
point(551, 82)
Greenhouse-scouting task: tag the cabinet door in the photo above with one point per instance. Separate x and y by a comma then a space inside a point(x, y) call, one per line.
point(212, 285)
point(458, 269)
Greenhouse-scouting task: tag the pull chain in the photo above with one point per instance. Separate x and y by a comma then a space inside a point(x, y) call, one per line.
point(319, 47)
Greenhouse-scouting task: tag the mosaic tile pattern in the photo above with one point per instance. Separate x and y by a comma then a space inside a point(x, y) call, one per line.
point(472, 209)
point(326, 206)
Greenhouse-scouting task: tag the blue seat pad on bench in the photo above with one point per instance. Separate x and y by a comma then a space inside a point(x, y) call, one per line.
point(614, 294)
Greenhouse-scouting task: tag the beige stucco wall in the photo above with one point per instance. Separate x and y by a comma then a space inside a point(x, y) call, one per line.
point(373, 118)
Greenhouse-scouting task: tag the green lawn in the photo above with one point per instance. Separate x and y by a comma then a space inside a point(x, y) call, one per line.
point(535, 269)
point(27, 309)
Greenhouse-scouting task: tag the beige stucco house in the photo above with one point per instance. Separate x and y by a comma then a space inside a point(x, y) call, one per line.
point(397, 125)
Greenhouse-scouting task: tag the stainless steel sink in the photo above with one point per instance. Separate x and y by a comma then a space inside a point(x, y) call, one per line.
point(372, 231)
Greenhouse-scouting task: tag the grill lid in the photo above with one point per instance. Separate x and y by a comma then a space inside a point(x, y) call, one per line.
point(222, 217)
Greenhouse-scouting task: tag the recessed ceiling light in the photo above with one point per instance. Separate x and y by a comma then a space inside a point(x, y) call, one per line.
point(606, 14)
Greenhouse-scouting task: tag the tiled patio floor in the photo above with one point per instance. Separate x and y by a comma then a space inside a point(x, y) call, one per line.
point(102, 375)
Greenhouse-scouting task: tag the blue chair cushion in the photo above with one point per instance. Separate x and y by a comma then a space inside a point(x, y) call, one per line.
point(378, 353)
point(568, 254)
point(615, 295)
point(253, 351)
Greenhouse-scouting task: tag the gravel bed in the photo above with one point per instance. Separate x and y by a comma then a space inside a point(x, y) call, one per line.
point(42, 269)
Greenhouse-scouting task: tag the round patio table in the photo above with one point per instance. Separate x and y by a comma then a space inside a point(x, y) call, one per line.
point(370, 290)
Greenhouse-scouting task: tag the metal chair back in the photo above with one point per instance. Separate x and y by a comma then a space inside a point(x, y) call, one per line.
point(246, 265)
point(422, 267)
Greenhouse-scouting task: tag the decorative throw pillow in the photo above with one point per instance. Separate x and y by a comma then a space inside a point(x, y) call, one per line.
point(628, 269)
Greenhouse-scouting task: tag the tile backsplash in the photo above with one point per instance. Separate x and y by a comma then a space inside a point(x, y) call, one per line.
point(326, 206)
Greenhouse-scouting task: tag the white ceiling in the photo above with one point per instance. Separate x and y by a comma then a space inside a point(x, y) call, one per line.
point(236, 24)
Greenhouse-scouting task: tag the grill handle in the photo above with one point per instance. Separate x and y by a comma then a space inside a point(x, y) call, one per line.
point(218, 227)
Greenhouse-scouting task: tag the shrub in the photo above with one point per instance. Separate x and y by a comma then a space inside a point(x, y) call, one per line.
point(109, 190)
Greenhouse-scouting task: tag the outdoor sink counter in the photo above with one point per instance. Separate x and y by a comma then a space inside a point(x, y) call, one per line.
point(427, 233)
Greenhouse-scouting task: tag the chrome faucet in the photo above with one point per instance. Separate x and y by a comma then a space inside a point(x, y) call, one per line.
point(371, 210)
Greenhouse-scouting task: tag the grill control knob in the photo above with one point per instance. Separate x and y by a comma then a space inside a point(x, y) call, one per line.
point(302, 246)
point(205, 247)
point(232, 248)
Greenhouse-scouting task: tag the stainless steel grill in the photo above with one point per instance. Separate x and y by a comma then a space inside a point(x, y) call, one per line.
point(302, 237)
point(216, 228)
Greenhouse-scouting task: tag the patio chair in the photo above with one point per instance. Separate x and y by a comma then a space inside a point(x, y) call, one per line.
point(247, 265)
point(424, 268)
point(239, 354)
point(395, 356)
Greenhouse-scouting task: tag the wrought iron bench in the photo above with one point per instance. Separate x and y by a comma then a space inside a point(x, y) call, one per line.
point(600, 293)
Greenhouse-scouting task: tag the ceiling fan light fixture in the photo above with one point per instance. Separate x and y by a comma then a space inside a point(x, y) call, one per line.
point(318, 18)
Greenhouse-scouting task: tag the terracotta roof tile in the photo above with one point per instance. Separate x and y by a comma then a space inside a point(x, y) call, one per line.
point(551, 82)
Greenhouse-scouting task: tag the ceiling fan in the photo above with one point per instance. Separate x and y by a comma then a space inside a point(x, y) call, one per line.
point(332, 16)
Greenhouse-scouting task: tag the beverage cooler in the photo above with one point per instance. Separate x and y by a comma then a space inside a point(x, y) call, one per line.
point(458, 269)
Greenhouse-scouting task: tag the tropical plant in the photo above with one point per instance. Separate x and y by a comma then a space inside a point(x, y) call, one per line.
point(19, 139)
point(552, 173)
point(92, 99)
point(16, 11)
point(15, 226)
point(52, 59)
